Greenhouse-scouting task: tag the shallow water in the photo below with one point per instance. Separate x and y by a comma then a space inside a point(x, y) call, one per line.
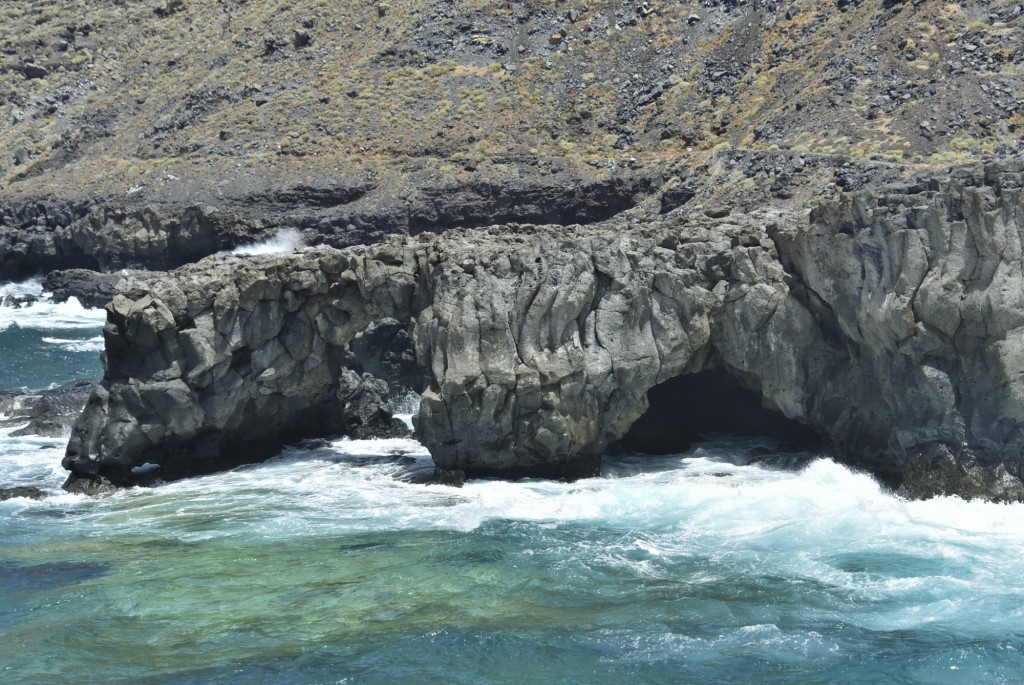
point(328, 564)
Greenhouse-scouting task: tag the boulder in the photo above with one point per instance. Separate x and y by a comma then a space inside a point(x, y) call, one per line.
point(31, 70)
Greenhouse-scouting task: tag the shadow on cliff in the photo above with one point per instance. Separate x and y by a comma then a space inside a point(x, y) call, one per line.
point(692, 407)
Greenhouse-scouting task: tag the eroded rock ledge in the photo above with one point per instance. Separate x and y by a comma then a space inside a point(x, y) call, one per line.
point(890, 322)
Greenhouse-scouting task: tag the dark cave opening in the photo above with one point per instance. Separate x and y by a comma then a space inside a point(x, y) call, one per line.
point(688, 408)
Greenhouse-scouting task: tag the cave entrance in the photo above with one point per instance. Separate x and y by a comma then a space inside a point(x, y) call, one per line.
point(688, 408)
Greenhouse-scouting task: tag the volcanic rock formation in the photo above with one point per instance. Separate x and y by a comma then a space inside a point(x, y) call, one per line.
point(889, 322)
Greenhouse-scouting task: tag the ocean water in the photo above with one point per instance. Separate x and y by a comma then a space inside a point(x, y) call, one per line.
point(329, 564)
point(45, 343)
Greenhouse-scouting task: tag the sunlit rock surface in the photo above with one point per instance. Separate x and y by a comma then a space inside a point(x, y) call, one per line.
point(890, 322)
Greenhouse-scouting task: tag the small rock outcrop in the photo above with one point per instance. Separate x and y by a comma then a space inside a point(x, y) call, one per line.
point(23, 491)
point(888, 322)
point(225, 361)
point(49, 414)
point(91, 288)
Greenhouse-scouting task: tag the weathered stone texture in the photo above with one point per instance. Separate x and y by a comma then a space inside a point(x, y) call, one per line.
point(219, 363)
point(891, 322)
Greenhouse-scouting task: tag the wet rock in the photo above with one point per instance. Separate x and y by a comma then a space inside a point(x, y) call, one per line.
point(77, 485)
point(21, 491)
point(363, 408)
point(452, 478)
point(52, 412)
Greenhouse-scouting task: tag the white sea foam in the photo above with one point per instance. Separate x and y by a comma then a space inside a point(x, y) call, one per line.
point(91, 345)
point(31, 287)
point(405, 406)
point(30, 460)
point(876, 561)
point(286, 240)
point(827, 524)
point(44, 313)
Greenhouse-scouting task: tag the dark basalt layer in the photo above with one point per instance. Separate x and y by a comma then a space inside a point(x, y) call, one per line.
point(889, 322)
point(41, 236)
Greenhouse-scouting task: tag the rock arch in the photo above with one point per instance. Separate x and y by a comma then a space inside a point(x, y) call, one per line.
point(692, 407)
point(890, 322)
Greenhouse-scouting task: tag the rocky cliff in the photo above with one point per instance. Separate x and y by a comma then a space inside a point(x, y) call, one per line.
point(150, 134)
point(889, 323)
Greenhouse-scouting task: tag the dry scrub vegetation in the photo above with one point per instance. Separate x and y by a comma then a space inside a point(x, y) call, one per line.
point(110, 94)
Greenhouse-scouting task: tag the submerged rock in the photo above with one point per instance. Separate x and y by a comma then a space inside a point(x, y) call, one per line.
point(27, 492)
point(888, 322)
point(50, 414)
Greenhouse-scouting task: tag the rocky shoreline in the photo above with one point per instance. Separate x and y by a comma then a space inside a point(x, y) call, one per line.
point(885, 322)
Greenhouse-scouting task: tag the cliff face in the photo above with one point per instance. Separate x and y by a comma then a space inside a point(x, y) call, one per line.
point(890, 323)
point(923, 284)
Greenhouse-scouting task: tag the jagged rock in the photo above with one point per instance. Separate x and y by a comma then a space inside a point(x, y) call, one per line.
point(221, 363)
point(675, 197)
point(922, 286)
point(90, 288)
point(88, 486)
point(453, 479)
point(45, 236)
point(49, 414)
point(386, 350)
point(13, 301)
point(889, 322)
point(362, 404)
point(75, 235)
point(27, 492)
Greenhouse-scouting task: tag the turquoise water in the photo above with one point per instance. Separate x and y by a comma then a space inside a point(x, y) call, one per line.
point(327, 565)
point(45, 343)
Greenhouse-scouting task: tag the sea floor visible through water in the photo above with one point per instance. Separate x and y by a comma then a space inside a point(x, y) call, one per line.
point(332, 564)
